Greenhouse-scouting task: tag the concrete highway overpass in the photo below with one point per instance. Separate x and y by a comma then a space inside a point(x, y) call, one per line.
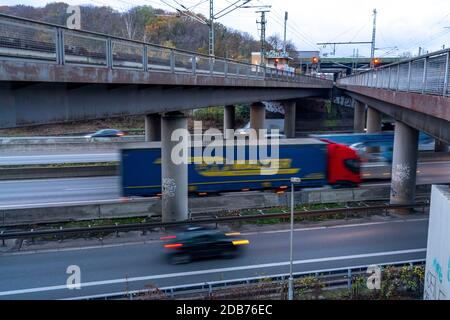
point(51, 74)
point(415, 93)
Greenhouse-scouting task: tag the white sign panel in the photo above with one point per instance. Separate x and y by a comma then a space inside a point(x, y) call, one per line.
point(437, 271)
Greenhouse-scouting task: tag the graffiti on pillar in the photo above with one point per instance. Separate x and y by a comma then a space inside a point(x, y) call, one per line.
point(434, 288)
point(401, 173)
point(168, 188)
point(274, 107)
point(343, 101)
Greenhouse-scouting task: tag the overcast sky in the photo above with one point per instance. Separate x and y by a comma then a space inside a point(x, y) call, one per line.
point(404, 24)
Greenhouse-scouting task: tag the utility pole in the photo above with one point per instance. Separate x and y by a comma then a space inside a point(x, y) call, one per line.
point(233, 6)
point(211, 28)
point(263, 23)
point(374, 32)
point(285, 26)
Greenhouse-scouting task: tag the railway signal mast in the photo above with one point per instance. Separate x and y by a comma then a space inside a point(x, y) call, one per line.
point(233, 6)
point(210, 22)
point(373, 60)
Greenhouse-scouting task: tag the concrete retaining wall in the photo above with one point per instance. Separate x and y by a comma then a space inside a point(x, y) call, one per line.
point(152, 206)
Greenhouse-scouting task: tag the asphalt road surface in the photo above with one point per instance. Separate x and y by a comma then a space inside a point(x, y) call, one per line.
point(113, 269)
point(49, 192)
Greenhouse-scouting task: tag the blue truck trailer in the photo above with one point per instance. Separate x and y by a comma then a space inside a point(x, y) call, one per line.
point(304, 158)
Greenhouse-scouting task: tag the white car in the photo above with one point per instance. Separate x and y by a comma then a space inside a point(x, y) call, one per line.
point(271, 124)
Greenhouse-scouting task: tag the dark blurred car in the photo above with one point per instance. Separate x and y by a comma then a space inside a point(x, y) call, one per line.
point(105, 133)
point(195, 243)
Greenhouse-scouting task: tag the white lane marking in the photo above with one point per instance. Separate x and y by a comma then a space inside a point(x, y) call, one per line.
point(202, 272)
point(335, 227)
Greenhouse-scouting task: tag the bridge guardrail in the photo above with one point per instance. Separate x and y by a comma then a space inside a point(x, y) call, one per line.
point(426, 74)
point(26, 39)
point(329, 278)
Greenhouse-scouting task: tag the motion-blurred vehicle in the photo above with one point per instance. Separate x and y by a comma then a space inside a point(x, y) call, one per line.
point(194, 243)
point(364, 144)
point(105, 133)
point(318, 163)
point(270, 124)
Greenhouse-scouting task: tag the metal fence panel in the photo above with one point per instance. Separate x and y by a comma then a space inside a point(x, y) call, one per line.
point(403, 77)
point(183, 62)
point(417, 70)
point(127, 55)
point(82, 49)
point(158, 59)
point(435, 75)
point(29, 41)
point(393, 82)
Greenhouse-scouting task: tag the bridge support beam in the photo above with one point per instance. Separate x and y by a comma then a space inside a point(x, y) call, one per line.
point(373, 120)
point(373, 126)
point(174, 168)
point(441, 146)
point(257, 116)
point(228, 121)
point(404, 164)
point(290, 108)
point(359, 120)
point(153, 127)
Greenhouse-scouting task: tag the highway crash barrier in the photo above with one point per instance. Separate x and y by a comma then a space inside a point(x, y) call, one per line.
point(151, 207)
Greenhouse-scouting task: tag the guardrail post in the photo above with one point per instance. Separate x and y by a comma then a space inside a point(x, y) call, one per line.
point(424, 76)
point(447, 66)
point(389, 81)
point(194, 64)
point(109, 53)
point(3, 240)
point(211, 66)
point(225, 68)
point(248, 72)
point(172, 61)
point(409, 76)
point(349, 278)
point(397, 86)
point(145, 58)
point(59, 46)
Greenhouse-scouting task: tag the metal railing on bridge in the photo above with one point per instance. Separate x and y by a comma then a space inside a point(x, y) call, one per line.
point(26, 39)
point(426, 74)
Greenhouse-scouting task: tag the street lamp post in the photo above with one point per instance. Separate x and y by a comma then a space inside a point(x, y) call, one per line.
point(291, 278)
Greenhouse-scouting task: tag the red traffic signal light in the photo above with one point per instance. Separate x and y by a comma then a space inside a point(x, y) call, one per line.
point(315, 60)
point(376, 61)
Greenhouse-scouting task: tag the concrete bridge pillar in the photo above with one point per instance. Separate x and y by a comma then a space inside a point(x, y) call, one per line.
point(373, 120)
point(228, 121)
point(174, 167)
point(404, 164)
point(373, 126)
point(257, 116)
point(359, 120)
point(153, 127)
point(440, 146)
point(290, 119)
